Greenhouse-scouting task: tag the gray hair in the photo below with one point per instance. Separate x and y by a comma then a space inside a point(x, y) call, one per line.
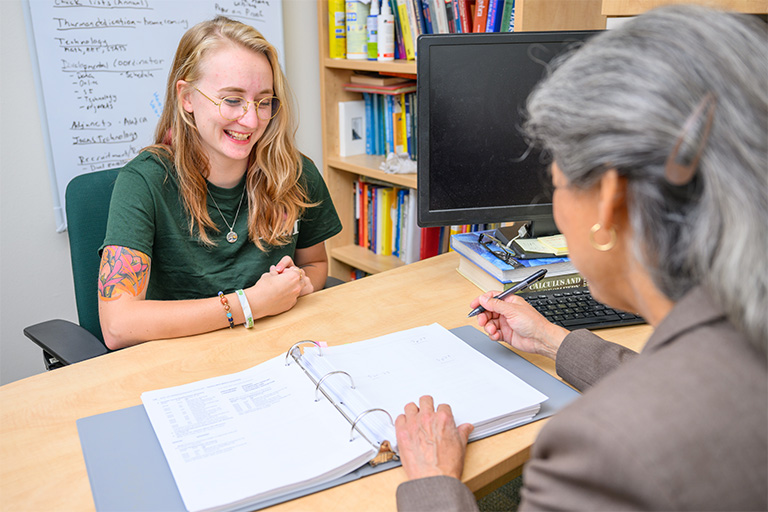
point(622, 100)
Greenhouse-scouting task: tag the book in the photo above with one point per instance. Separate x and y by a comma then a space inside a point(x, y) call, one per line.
point(430, 242)
point(406, 29)
point(481, 16)
point(493, 21)
point(439, 16)
point(360, 78)
point(391, 90)
point(370, 147)
point(508, 16)
point(426, 15)
point(303, 419)
point(555, 245)
point(351, 128)
point(486, 282)
point(467, 245)
point(465, 15)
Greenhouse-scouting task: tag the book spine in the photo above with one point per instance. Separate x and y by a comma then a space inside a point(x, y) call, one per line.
point(388, 125)
point(494, 16)
point(450, 16)
point(440, 15)
point(507, 16)
point(337, 29)
point(481, 16)
point(405, 29)
point(399, 48)
point(414, 17)
point(382, 124)
point(426, 14)
point(369, 125)
point(465, 15)
point(419, 16)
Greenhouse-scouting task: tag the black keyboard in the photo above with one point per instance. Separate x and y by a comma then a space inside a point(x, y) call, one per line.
point(574, 308)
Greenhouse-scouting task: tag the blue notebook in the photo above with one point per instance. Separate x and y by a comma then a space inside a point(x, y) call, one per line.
point(128, 471)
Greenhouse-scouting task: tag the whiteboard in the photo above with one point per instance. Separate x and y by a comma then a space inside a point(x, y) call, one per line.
point(101, 68)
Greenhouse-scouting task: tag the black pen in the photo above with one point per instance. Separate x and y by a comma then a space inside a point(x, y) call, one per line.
point(522, 285)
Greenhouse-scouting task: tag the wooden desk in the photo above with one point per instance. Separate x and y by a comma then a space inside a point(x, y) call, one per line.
point(42, 464)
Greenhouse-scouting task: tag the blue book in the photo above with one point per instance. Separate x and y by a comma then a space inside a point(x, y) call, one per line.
point(388, 127)
point(375, 123)
point(369, 125)
point(493, 23)
point(427, 17)
point(468, 246)
point(457, 19)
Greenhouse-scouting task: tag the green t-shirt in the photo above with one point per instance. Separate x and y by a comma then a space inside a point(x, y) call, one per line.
point(146, 214)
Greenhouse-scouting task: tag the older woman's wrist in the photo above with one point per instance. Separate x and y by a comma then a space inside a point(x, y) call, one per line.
point(551, 341)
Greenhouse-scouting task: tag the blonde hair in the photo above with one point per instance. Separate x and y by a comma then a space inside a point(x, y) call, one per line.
point(276, 197)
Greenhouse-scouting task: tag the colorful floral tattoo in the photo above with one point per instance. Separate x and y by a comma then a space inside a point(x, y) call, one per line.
point(122, 270)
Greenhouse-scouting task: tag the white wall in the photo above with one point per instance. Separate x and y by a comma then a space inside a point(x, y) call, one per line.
point(35, 271)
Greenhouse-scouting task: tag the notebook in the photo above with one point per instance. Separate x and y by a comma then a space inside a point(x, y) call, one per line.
point(128, 469)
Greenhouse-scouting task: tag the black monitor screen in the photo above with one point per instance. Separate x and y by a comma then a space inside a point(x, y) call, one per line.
point(474, 165)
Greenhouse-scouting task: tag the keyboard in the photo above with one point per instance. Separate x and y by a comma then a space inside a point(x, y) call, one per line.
point(574, 308)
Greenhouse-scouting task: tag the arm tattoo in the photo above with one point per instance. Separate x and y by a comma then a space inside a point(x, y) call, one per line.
point(122, 270)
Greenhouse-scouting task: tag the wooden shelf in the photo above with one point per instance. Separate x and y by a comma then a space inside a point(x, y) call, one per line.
point(635, 7)
point(396, 66)
point(365, 260)
point(368, 165)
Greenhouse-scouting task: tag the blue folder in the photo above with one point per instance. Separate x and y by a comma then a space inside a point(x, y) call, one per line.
point(128, 471)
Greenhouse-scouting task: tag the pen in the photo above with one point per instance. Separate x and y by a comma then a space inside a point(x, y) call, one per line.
point(522, 285)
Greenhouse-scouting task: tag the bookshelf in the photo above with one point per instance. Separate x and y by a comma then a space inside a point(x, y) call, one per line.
point(634, 7)
point(341, 172)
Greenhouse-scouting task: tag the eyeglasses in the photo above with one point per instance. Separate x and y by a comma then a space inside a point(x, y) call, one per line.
point(498, 249)
point(234, 108)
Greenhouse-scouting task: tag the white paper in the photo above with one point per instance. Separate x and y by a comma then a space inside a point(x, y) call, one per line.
point(392, 370)
point(257, 433)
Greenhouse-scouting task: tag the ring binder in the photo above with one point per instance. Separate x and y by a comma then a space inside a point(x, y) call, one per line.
point(352, 382)
point(360, 416)
point(296, 345)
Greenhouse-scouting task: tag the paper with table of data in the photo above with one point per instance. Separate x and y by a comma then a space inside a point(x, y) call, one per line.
point(285, 424)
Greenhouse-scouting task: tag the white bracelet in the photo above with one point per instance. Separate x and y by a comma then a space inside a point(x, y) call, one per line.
point(246, 308)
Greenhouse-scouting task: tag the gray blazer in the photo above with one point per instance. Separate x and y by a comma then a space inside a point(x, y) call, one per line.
point(681, 426)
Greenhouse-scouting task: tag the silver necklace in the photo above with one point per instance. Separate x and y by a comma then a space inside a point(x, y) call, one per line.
point(231, 236)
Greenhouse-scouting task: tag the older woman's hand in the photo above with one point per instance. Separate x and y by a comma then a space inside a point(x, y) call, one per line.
point(517, 323)
point(429, 442)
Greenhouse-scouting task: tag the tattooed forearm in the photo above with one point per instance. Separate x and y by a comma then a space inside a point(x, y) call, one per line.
point(122, 270)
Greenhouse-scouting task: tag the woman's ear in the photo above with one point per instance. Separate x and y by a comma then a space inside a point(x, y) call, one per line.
point(184, 92)
point(612, 199)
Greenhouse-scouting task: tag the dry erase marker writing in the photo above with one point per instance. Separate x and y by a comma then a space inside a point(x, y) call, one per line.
point(522, 285)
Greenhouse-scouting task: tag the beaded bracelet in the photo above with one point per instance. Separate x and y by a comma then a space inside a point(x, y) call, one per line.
point(225, 303)
point(246, 308)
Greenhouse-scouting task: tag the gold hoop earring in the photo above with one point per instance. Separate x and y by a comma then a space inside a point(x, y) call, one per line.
point(602, 247)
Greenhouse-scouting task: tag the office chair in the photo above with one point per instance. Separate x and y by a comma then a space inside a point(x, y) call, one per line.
point(87, 203)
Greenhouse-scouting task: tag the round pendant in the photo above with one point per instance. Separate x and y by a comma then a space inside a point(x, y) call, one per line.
point(231, 237)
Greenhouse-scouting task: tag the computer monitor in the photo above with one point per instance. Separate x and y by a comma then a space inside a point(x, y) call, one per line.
point(474, 166)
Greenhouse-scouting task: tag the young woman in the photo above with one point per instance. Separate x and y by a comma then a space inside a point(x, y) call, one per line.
point(222, 220)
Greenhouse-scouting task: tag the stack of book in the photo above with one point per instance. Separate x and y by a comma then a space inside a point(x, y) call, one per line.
point(489, 272)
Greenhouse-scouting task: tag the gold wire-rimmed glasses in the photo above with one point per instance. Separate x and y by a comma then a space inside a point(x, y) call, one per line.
point(234, 108)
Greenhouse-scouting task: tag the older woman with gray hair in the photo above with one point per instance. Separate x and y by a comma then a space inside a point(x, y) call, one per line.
point(658, 134)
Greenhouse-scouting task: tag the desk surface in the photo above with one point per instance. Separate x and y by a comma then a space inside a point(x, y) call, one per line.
point(42, 464)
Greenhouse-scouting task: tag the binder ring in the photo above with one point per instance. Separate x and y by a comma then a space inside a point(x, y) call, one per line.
point(359, 417)
point(296, 345)
point(317, 388)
